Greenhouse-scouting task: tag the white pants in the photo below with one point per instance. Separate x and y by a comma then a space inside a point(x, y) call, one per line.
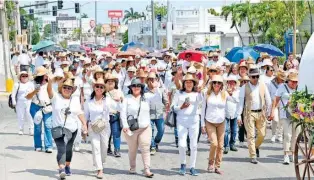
point(290, 133)
point(184, 128)
point(99, 143)
point(276, 126)
point(23, 113)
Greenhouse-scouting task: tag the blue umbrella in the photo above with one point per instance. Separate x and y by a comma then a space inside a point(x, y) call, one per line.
point(132, 45)
point(238, 53)
point(207, 48)
point(42, 44)
point(268, 48)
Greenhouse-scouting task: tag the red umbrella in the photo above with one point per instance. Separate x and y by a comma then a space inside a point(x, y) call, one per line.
point(192, 55)
point(112, 46)
point(111, 50)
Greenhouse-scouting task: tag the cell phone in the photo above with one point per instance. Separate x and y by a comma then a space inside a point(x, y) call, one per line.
point(37, 86)
point(187, 100)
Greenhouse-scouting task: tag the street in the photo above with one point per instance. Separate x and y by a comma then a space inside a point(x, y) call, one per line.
point(19, 161)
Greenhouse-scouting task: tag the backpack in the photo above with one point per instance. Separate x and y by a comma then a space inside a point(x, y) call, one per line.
point(10, 102)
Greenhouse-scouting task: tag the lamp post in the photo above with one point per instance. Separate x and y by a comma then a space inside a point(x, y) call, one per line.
point(295, 30)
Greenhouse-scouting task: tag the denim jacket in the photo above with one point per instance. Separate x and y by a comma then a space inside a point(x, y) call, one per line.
point(157, 101)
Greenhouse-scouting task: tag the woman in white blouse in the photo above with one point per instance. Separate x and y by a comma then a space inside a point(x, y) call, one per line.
point(213, 119)
point(65, 112)
point(96, 109)
point(114, 97)
point(186, 105)
point(22, 105)
point(135, 108)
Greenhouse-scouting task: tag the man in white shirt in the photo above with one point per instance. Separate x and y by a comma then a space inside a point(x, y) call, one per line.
point(256, 103)
point(216, 61)
point(164, 69)
point(39, 60)
point(24, 61)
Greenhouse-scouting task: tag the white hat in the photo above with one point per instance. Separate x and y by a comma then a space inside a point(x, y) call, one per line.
point(132, 69)
point(267, 62)
point(65, 63)
point(192, 70)
point(58, 73)
point(137, 56)
point(87, 61)
point(254, 71)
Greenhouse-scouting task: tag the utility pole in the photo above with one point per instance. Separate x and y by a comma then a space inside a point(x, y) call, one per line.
point(295, 30)
point(80, 24)
point(30, 32)
point(18, 22)
point(169, 25)
point(95, 21)
point(153, 25)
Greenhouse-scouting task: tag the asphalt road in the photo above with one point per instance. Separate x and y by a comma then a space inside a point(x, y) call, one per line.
point(19, 161)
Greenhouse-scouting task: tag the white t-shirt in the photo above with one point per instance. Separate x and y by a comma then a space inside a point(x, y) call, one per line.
point(78, 82)
point(94, 111)
point(42, 97)
point(24, 59)
point(59, 106)
point(285, 96)
point(39, 61)
point(23, 89)
point(87, 90)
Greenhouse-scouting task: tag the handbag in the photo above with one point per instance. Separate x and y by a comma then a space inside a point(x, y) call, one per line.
point(171, 118)
point(98, 125)
point(288, 115)
point(133, 122)
point(59, 131)
point(10, 102)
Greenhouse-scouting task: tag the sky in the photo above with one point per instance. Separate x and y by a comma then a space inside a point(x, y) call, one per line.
point(138, 5)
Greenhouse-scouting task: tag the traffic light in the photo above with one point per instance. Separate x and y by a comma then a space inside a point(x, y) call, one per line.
point(159, 17)
point(212, 28)
point(77, 7)
point(54, 10)
point(31, 13)
point(24, 23)
point(60, 4)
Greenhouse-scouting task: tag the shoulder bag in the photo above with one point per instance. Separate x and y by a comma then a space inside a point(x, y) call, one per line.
point(133, 122)
point(99, 125)
point(59, 131)
point(10, 102)
point(171, 118)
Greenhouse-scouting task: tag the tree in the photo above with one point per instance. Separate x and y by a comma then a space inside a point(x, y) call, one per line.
point(76, 33)
point(10, 8)
point(160, 9)
point(84, 15)
point(64, 43)
point(130, 15)
point(35, 38)
point(125, 37)
point(47, 30)
point(98, 30)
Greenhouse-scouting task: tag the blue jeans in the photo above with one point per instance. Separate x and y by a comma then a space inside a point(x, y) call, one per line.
point(115, 131)
point(230, 129)
point(38, 128)
point(160, 131)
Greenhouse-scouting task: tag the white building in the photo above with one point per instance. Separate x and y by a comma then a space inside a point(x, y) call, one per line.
point(194, 26)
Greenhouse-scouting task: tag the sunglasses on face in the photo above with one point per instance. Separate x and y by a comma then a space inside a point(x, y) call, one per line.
point(212, 71)
point(100, 87)
point(216, 82)
point(24, 76)
point(255, 77)
point(150, 79)
point(244, 82)
point(215, 56)
point(67, 88)
point(136, 85)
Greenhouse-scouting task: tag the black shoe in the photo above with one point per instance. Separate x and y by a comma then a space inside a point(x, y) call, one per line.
point(116, 153)
point(257, 153)
point(233, 148)
point(109, 152)
point(226, 150)
point(157, 147)
point(177, 142)
point(188, 152)
point(254, 161)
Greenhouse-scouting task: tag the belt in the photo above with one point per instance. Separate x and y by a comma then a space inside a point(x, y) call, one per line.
point(259, 110)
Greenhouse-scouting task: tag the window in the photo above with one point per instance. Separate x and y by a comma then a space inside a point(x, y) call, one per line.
point(195, 12)
point(181, 13)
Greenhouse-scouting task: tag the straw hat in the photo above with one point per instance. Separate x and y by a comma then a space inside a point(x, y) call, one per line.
point(137, 56)
point(243, 64)
point(189, 77)
point(254, 71)
point(66, 82)
point(100, 81)
point(136, 82)
point(130, 58)
point(141, 74)
point(112, 77)
point(293, 77)
point(63, 54)
point(192, 70)
point(217, 78)
point(233, 78)
point(132, 69)
point(152, 75)
point(69, 75)
point(227, 63)
point(212, 67)
point(250, 61)
point(65, 63)
point(21, 73)
point(244, 78)
point(267, 62)
point(87, 61)
point(76, 54)
point(40, 71)
point(264, 55)
point(98, 70)
point(281, 75)
point(215, 54)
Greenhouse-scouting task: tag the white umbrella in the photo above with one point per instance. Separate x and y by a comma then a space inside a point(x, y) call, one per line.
point(306, 72)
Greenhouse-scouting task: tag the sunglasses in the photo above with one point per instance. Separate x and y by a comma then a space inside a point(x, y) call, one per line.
point(255, 77)
point(215, 56)
point(25, 76)
point(212, 71)
point(150, 79)
point(216, 82)
point(100, 87)
point(136, 85)
point(244, 82)
point(67, 88)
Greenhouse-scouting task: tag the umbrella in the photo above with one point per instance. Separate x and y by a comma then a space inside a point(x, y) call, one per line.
point(125, 54)
point(268, 48)
point(238, 53)
point(138, 51)
point(207, 48)
point(192, 55)
point(52, 48)
point(155, 54)
point(112, 46)
point(108, 49)
point(132, 45)
point(42, 44)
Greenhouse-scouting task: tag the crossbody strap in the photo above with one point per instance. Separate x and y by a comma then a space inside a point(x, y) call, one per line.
point(287, 92)
point(17, 92)
point(139, 109)
point(66, 113)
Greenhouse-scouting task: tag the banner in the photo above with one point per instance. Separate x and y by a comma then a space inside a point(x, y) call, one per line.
point(88, 26)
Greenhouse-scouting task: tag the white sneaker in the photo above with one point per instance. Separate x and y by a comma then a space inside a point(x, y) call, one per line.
point(280, 139)
point(77, 149)
point(241, 144)
point(273, 139)
point(38, 149)
point(31, 132)
point(286, 160)
point(21, 132)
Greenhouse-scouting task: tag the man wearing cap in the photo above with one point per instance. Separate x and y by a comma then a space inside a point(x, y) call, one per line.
point(272, 87)
point(256, 103)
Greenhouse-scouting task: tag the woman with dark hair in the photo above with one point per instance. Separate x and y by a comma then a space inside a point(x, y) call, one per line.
point(135, 118)
point(186, 105)
point(118, 72)
point(275, 63)
point(233, 70)
point(96, 110)
point(287, 66)
point(114, 99)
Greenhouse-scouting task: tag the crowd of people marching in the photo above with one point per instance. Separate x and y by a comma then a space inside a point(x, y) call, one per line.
point(83, 96)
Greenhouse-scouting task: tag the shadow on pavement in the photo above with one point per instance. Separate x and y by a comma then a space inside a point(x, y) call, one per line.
point(8, 133)
point(261, 160)
point(21, 148)
point(112, 171)
point(275, 178)
point(10, 156)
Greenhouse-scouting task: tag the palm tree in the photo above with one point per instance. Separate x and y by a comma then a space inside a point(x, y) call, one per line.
point(130, 14)
point(84, 15)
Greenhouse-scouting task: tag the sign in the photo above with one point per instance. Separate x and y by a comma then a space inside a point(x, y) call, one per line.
point(88, 25)
point(115, 13)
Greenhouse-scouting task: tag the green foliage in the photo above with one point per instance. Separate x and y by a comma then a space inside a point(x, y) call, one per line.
point(35, 38)
point(160, 9)
point(47, 31)
point(84, 15)
point(76, 33)
point(64, 43)
point(130, 15)
point(125, 37)
point(98, 30)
